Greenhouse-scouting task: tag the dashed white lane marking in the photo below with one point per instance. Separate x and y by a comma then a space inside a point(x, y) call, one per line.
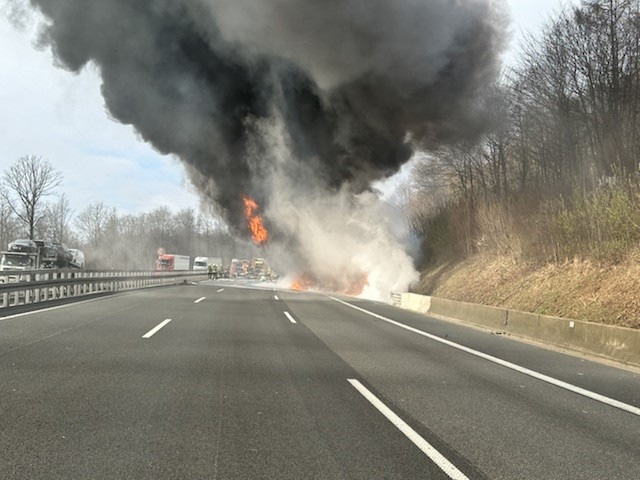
point(436, 457)
point(291, 319)
point(155, 329)
point(275, 297)
point(200, 299)
point(545, 378)
point(220, 290)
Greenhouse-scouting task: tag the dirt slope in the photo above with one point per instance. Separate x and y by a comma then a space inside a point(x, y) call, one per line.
point(578, 290)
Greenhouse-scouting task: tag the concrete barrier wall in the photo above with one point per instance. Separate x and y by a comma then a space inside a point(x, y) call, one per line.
point(494, 318)
point(607, 341)
point(417, 303)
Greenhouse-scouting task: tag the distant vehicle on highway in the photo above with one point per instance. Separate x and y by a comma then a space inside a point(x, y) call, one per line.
point(23, 246)
point(171, 262)
point(63, 255)
point(24, 254)
point(200, 263)
point(77, 258)
point(47, 250)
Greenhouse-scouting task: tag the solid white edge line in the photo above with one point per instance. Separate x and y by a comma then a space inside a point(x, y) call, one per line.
point(199, 300)
point(436, 457)
point(545, 378)
point(155, 329)
point(47, 309)
point(291, 319)
point(220, 290)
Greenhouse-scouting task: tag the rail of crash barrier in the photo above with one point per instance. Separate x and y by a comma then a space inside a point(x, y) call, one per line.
point(396, 299)
point(35, 286)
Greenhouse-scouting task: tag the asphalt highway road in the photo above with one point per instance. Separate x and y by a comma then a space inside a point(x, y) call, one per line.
point(216, 381)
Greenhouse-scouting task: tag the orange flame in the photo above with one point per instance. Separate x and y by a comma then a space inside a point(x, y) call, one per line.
point(303, 282)
point(259, 233)
point(352, 285)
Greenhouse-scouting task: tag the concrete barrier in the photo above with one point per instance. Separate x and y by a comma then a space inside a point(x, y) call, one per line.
point(494, 318)
point(614, 343)
point(417, 303)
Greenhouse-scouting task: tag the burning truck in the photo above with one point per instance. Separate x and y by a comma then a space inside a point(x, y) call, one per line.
point(349, 283)
point(305, 120)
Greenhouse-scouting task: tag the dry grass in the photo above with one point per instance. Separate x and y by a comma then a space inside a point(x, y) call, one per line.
point(579, 289)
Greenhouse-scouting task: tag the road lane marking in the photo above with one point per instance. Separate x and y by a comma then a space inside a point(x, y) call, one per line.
point(540, 376)
point(200, 299)
point(57, 307)
point(33, 312)
point(220, 290)
point(436, 457)
point(275, 297)
point(291, 319)
point(155, 329)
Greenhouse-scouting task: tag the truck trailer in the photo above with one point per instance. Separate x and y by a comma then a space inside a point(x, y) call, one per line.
point(170, 262)
point(28, 255)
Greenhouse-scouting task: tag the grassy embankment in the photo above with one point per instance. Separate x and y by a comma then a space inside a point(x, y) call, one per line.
point(574, 258)
point(578, 289)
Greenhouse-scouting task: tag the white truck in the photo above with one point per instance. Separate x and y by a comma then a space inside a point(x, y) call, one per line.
point(202, 263)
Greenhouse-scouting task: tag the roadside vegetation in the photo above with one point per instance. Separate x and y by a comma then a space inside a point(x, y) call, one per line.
point(553, 185)
point(32, 206)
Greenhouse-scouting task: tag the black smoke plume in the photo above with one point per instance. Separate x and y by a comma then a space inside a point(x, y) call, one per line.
point(358, 85)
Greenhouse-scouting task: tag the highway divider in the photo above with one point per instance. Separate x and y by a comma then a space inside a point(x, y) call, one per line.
point(619, 344)
point(28, 287)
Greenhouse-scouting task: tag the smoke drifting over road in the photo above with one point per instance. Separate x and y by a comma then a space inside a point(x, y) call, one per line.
point(351, 87)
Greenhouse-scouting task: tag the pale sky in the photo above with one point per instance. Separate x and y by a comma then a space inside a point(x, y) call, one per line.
point(60, 116)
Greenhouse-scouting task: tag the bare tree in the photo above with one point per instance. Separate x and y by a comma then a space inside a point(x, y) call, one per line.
point(160, 224)
point(214, 238)
point(578, 93)
point(25, 183)
point(92, 223)
point(185, 222)
point(59, 215)
point(8, 223)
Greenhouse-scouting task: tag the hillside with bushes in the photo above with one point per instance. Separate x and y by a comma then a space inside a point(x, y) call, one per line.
point(542, 211)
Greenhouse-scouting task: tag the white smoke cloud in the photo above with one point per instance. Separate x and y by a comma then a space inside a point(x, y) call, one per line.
point(334, 236)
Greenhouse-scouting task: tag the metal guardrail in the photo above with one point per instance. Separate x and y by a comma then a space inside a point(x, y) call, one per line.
point(396, 299)
point(22, 287)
